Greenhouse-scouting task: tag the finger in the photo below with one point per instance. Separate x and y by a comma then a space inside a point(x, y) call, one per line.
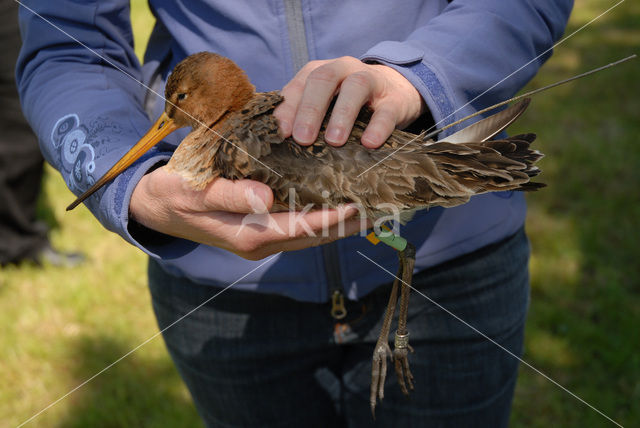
point(256, 229)
point(348, 228)
point(286, 110)
point(382, 123)
point(356, 89)
point(255, 236)
point(319, 88)
point(237, 196)
point(292, 93)
point(315, 223)
point(338, 231)
point(280, 227)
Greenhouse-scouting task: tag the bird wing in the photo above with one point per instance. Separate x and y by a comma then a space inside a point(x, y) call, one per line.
point(491, 126)
point(248, 136)
point(403, 174)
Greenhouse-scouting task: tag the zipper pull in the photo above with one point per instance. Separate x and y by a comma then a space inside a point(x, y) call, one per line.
point(338, 311)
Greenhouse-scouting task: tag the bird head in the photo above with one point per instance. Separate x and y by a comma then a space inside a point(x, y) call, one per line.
point(202, 91)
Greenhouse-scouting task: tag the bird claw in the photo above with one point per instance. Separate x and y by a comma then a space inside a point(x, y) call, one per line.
point(401, 362)
point(379, 373)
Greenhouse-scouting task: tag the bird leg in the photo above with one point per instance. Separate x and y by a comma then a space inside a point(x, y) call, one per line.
point(406, 255)
point(382, 350)
point(401, 342)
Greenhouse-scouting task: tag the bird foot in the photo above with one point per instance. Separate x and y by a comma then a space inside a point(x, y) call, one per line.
point(379, 373)
point(401, 362)
point(401, 347)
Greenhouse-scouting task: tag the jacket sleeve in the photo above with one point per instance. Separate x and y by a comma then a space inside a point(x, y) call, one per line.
point(475, 46)
point(78, 80)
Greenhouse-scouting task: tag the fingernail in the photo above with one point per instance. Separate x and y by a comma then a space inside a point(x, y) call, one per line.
point(264, 194)
point(257, 198)
point(302, 133)
point(369, 141)
point(347, 210)
point(285, 128)
point(334, 135)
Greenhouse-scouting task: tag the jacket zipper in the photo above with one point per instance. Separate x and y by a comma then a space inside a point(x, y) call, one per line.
point(334, 280)
point(299, 57)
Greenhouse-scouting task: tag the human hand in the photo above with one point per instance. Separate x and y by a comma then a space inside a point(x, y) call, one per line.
point(396, 102)
point(164, 202)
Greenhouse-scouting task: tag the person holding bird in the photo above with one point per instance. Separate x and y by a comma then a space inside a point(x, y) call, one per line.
point(268, 352)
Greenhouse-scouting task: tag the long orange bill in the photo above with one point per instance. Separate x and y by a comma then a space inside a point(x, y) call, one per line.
point(163, 127)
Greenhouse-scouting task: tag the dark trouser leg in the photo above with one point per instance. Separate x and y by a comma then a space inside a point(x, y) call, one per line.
point(250, 360)
point(266, 361)
point(21, 236)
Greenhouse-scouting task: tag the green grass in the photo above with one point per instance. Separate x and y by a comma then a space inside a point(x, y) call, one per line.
point(142, 25)
point(584, 228)
point(62, 326)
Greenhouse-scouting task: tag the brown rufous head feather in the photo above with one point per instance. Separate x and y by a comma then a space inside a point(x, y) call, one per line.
point(203, 88)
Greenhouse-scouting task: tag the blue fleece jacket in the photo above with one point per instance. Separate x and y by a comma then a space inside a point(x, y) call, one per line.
point(84, 100)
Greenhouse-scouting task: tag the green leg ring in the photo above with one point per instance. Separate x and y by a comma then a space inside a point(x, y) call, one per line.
point(396, 242)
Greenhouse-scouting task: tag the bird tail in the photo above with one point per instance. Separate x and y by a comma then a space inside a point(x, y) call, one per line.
point(518, 149)
point(488, 166)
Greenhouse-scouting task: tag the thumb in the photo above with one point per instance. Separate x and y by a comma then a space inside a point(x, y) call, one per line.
point(238, 196)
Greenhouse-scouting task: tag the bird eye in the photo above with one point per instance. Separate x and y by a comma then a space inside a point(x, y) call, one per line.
point(182, 97)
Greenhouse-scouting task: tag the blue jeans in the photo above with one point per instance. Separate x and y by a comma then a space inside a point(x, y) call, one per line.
point(268, 361)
